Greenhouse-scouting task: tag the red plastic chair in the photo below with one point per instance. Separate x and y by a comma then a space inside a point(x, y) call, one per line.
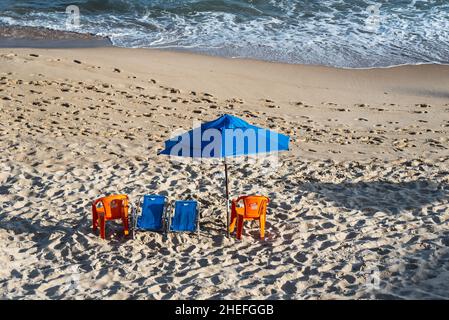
point(254, 208)
point(112, 207)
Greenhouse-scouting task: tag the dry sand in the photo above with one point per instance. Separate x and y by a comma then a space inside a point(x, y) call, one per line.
point(359, 205)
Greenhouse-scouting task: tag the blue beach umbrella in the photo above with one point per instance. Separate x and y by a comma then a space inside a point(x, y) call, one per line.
point(225, 137)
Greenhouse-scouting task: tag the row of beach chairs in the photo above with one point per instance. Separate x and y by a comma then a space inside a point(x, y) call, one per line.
point(156, 213)
point(150, 213)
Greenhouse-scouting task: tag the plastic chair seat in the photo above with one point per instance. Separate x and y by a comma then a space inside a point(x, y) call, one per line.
point(113, 207)
point(255, 208)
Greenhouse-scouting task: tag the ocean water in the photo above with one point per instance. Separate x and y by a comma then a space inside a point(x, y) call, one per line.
point(342, 33)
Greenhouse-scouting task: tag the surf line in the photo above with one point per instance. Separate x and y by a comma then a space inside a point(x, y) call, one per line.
point(186, 310)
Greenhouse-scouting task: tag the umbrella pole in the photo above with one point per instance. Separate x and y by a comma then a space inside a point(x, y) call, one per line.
point(228, 218)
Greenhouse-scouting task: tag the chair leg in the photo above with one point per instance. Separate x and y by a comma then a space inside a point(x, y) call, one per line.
point(125, 222)
point(262, 220)
point(94, 219)
point(239, 226)
point(102, 222)
point(233, 218)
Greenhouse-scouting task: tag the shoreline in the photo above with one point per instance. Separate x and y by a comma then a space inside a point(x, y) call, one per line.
point(37, 37)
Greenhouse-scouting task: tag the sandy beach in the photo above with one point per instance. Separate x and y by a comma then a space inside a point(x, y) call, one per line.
point(359, 205)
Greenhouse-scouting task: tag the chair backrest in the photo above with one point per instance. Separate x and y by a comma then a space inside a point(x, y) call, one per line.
point(114, 206)
point(152, 214)
point(255, 206)
point(185, 216)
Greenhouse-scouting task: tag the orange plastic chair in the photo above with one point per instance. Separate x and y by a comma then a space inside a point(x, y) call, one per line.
point(254, 208)
point(112, 207)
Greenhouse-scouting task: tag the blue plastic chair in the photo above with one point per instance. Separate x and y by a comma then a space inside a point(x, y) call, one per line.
point(152, 213)
point(185, 217)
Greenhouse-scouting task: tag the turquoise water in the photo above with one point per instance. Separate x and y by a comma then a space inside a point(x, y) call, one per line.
point(344, 33)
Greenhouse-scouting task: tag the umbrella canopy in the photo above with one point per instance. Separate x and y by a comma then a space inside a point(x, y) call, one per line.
point(226, 137)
